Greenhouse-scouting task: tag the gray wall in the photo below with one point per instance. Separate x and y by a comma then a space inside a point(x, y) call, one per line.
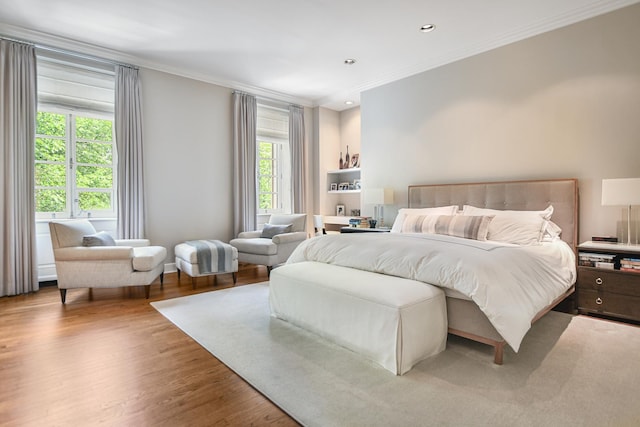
point(188, 159)
point(562, 104)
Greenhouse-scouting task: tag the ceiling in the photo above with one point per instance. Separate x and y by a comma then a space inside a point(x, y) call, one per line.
point(291, 50)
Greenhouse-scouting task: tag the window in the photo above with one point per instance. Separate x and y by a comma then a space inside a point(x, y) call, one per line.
point(75, 167)
point(274, 160)
point(75, 153)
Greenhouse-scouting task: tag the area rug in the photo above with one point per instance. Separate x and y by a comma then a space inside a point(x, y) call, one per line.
point(570, 370)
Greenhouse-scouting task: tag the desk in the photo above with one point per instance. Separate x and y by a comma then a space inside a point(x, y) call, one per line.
point(364, 230)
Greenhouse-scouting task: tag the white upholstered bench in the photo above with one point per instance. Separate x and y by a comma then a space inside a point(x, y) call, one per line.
point(393, 321)
point(200, 258)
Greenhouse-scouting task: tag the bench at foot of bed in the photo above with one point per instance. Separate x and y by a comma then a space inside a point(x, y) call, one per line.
point(393, 321)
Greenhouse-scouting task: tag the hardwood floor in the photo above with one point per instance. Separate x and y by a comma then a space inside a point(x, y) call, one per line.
point(107, 357)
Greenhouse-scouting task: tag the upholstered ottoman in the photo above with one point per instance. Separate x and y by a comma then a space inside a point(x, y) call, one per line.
point(392, 321)
point(206, 258)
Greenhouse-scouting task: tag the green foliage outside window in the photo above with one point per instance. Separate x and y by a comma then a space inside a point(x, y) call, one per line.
point(267, 176)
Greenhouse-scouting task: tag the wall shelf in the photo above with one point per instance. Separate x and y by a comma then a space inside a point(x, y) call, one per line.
point(343, 191)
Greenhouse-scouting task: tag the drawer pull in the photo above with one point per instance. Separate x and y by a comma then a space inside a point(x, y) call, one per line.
point(599, 281)
point(598, 301)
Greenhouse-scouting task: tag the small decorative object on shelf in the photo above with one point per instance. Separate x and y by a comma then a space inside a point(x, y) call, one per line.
point(339, 210)
point(341, 162)
point(346, 158)
point(355, 160)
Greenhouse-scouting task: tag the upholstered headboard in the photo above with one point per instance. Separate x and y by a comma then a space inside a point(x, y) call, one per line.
point(508, 195)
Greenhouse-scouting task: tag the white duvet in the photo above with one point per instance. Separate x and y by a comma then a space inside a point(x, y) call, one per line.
point(509, 283)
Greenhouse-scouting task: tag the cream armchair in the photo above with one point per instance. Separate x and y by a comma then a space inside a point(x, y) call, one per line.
point(102, 262)
point(273, 244)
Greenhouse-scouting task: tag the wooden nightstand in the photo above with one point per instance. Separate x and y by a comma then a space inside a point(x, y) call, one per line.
point(605, 291)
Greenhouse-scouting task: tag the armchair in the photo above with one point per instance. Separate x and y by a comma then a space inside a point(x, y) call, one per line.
point(273, 245)
point(119, 263)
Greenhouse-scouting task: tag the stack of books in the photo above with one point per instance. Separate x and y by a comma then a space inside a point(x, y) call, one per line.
point(630, 264)
point(588, 259)
point(359, 222)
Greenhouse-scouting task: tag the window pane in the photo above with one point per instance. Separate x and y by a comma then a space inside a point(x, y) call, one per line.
point(48, 175)
point(50, 124)
point(90, 201)
point(94, 177)
point(50, 149)
point(266, 201)
point(94, 153)
point(51, 200)
point(94, 129)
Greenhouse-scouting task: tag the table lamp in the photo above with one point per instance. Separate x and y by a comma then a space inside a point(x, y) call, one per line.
point(622, 192)
point(378, 197)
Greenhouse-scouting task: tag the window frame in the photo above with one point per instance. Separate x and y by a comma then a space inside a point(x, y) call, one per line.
point(72, 208)
point(282, 159)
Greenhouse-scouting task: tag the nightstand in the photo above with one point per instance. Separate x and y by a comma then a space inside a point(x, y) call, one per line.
point(602, 287)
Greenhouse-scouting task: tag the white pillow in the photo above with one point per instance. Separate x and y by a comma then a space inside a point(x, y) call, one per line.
point(518, 227)
point(474, 227)
point(552, 232)
point(402, 214)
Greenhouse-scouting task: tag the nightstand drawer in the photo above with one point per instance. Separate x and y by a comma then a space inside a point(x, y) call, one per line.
point(609, 304)
point(609, 281)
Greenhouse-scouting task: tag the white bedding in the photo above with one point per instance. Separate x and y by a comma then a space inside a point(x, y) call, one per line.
point(509, 283)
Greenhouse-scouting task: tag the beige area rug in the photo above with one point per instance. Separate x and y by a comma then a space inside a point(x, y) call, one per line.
point(571, 370)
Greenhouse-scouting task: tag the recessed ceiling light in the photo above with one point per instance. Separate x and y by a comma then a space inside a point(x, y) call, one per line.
point(349, 61)
point(427, 28)
point(348, 102)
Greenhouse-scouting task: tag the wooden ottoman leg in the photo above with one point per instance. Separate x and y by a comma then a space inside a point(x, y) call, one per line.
point(235, 277)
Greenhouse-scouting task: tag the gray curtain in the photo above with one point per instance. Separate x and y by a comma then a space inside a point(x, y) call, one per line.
point(298, 175)
point(129, 142)
point(244, 162)
point(18, 107)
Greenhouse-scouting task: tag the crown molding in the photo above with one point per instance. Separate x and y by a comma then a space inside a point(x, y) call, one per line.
point(101, 53)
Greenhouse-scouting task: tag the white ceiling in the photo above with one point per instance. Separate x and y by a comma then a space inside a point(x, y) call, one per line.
point(292, 50)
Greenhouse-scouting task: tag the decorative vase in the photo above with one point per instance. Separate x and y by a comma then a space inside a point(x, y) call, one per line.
point(341, 162)
point(346, 158)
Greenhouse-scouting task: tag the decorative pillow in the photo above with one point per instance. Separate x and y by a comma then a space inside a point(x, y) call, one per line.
point(552, 232)
point(101, 238)
point(517, 227)
point(402, 214)
point(467, 227)
point(270, 230)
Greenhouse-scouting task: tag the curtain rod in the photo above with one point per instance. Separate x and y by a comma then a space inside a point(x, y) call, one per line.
point(69, 52)
point(264, 98)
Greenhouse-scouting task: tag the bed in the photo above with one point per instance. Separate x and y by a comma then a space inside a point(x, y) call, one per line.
point(481, 311)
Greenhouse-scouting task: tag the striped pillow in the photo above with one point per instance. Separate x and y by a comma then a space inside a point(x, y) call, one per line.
point(467, 227)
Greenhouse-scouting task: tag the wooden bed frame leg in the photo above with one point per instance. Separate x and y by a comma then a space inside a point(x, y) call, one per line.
point(499, 352)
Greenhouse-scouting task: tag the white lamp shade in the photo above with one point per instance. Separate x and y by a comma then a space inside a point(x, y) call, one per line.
point(378, 196)
point(621, 192)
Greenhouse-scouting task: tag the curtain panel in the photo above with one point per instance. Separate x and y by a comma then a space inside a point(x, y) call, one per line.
point(298, 157)
point(129, 143)
point(18, 108)
point(244, 160)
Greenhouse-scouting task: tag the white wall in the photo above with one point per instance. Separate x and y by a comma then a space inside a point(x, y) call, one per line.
point(560, 105)
point(188, 156)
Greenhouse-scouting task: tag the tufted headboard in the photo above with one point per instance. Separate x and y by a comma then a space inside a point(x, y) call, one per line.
point(508, 195)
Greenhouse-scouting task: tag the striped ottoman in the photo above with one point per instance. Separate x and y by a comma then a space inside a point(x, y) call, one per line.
point(206, 258)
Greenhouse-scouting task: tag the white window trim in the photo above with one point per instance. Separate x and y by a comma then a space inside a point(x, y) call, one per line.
point(72, 208)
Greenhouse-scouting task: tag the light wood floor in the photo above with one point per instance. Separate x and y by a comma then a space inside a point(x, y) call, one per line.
point(107, 357)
